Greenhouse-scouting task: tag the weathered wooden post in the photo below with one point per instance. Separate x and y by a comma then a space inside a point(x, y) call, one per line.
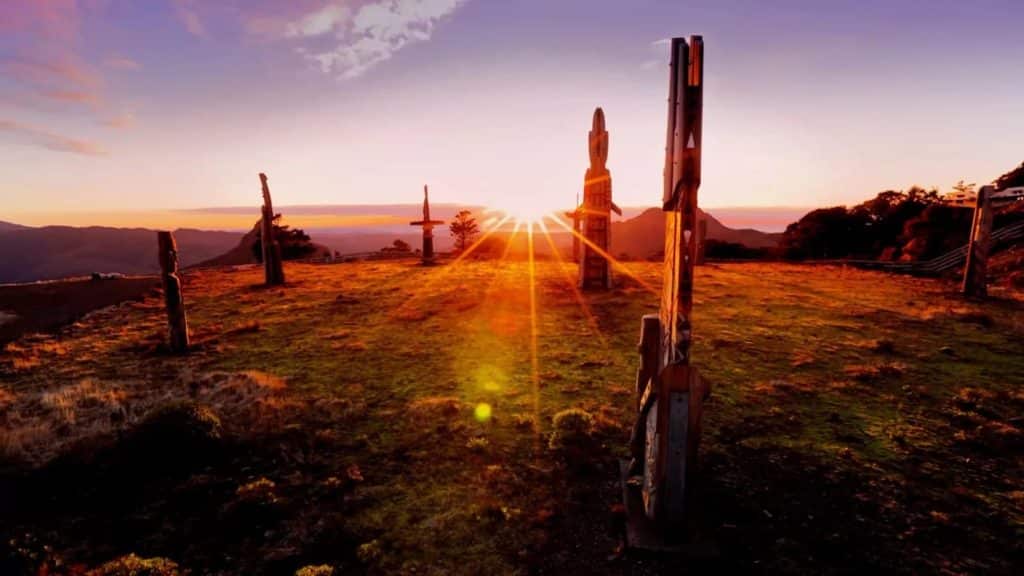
point(177, 322)
point(702, 237)
point(658, 483)
point(428, 229)
point(975, 269)
point(273, 269)
point(595, 269)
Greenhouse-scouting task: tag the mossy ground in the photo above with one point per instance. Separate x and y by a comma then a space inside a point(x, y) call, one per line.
point(858, 421)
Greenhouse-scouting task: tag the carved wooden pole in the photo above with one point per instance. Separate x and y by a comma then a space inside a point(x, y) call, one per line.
point(975, 269)
point(666, 435)
point(595, 212)
point(167, 252)
point(428, 229)
point(273, 269)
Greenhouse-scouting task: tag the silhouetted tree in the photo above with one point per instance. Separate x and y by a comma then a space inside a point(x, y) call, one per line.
point(825, 233)
point(398, 245)
point(962, 188)
point(1011, 179)
point(720, 249)
point(867, 230)
point(937, 230)
point(295, 243)
point(463, 228)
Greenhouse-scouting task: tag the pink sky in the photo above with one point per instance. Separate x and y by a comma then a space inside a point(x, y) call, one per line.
point(167, 105)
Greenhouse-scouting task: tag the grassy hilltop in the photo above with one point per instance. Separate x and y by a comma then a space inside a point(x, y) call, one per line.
point(390, 418)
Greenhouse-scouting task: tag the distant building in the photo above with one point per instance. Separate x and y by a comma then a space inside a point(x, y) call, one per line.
point(960, 198)
point(1009, 195)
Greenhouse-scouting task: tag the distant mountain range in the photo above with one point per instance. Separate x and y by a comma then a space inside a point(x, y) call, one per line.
point(8, 226)
point(51, 252)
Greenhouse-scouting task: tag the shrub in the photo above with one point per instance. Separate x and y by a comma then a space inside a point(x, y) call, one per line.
point(477, 444)
point(573, 435)
point(132, 565)
point(176, 435)
point(321, 570)
point(369, 552)
point(258, 492)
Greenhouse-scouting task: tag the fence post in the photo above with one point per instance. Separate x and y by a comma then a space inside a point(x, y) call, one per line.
point(177, 322)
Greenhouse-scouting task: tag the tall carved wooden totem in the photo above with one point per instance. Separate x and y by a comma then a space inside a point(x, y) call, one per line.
point(595, 213)
point(670, 391)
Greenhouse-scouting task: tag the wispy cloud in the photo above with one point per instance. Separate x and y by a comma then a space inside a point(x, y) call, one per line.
point(60, 68)
point(32, 135)
point(122, 120)
point(118, 62)
point(345, 39)
point(320, 22)
point(188, 14)
point(49, 71)
point(658, 47)
point(72, 96)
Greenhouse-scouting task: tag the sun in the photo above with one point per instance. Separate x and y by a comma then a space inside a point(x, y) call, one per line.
point(524, 212)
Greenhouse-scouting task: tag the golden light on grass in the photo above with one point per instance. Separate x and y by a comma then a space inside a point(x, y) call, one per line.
point(429, 286)
point(570, 279)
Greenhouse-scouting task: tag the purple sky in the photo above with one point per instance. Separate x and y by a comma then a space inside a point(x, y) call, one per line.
point(167, 104)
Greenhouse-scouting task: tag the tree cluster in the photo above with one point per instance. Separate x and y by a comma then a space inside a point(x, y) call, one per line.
point(868, 230)
point(295, 243)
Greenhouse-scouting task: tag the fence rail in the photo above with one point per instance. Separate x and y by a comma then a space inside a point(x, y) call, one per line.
point(940, 264)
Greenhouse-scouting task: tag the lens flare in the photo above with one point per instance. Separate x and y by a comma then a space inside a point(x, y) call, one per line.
point(482, 412)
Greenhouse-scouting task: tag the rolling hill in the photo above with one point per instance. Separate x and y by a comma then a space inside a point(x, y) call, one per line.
point(51, 252)
point(644, 235)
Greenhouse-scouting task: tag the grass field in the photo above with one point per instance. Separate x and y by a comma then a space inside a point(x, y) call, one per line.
point(390, 418)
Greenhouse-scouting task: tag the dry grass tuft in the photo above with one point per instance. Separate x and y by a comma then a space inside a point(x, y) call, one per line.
point(35, 427)
point(435, 406)
point(801, 359)
point(873, 373)
point(6, 397)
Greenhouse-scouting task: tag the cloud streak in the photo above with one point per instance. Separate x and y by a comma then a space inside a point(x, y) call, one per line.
point(32, 135)
point(188, 15)
point(118, 62)
point(346, 39)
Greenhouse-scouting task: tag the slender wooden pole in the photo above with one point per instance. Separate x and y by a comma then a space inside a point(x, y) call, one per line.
point(177, 322)
point(975, 283)
point(273, 269)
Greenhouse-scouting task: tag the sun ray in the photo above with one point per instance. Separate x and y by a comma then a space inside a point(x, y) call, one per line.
point(429, 283)
point(534, 359)
point(577, 294)
point(614, 262)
